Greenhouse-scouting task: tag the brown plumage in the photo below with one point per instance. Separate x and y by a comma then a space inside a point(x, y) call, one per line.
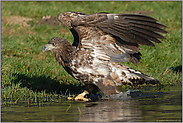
point(102, 40)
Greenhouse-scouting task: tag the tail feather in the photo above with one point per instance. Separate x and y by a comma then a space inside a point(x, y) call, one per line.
point(136, 78)
point(130, 76)
point(148, 79)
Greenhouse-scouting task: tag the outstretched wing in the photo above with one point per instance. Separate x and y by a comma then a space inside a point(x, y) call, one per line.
point(122, 34)
point(134, 28)
point(128, 30)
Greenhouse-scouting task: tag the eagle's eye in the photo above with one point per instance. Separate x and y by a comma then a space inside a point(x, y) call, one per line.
point(53, 44)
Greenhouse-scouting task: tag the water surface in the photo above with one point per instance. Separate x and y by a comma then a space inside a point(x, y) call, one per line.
point(146, 104)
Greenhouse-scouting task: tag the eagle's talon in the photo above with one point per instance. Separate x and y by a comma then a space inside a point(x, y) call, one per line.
point(81, 97)
point(70, 98)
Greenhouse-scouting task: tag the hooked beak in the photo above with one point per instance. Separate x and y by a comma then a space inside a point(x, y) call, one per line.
point(47, 47)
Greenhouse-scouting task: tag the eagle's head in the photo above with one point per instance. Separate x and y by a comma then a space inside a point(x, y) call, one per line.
point(67, 17)
point(60, 47)
point(55, 44)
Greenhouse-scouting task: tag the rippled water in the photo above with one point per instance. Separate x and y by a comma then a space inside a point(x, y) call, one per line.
point(141, 105)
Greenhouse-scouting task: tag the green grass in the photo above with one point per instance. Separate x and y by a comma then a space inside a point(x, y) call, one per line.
point(27, 73)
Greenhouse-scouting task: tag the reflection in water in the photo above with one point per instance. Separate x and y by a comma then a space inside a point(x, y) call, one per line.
point(108, 111)
point(145, 105)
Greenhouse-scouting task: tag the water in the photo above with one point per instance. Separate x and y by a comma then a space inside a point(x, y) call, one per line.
point(148, 104)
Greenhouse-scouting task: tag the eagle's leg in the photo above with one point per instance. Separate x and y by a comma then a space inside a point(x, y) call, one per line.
point(91, 88)
point(107, 87)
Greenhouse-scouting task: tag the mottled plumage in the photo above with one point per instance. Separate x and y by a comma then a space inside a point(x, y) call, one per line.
point(102, 40)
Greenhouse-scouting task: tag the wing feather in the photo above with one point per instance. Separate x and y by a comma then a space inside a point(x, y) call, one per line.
point(132, 27)
point(135, 28)
point(126, 31)
point(130, 37)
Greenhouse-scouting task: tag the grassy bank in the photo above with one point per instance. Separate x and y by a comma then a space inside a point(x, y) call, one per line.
point(27, 73)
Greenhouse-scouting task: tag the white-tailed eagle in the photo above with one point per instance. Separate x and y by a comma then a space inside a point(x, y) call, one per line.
point(101, 40)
